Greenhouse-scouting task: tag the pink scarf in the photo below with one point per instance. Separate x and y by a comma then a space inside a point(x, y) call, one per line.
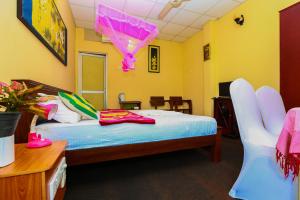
point(288, 145)
point(110, 117)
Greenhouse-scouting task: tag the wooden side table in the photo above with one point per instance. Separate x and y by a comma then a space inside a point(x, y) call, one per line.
point(35, 173)
point(130, 105)
point(225, 116)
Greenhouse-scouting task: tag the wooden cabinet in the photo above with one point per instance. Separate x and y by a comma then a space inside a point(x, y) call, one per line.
point(289, 56)
point(29, 177)
point(225, 116)
point(130, 105)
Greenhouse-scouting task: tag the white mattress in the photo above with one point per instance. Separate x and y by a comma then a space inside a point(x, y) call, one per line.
point(169, 125)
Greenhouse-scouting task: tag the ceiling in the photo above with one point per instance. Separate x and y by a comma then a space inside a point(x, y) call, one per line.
point(180, 24)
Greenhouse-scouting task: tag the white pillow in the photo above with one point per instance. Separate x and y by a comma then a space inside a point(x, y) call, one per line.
point(64, 114)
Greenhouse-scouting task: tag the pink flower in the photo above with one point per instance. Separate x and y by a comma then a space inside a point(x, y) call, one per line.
point(9, 89)
point(17, 86)
point(3, 84)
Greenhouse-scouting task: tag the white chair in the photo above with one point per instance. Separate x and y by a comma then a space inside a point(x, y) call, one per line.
point(272, 109)
point(260, 177)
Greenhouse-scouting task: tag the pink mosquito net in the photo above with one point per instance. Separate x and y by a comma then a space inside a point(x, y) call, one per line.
point(126, 32)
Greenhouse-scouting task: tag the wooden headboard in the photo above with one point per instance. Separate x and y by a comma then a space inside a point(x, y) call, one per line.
point(23, 127)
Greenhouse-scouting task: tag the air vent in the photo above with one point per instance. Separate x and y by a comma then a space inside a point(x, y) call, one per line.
point(91, 35)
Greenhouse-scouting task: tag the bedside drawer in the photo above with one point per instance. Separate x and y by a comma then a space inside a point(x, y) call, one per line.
point(34, 172)
point(58, 179)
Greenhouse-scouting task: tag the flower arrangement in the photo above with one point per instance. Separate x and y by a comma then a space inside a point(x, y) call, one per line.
point(17, 97)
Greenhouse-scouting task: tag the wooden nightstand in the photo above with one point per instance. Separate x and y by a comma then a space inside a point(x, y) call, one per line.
point(225, 116)
point(130, 105)
point(34, 172)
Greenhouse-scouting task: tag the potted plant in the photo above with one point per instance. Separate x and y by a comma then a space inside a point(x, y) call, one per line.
point(14, 98)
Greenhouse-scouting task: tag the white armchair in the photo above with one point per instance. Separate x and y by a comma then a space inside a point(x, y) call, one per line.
point(272, 109)
point(260, 177)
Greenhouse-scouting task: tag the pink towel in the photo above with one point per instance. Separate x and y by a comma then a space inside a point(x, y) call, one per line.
point(110, 117)
point(288, 145)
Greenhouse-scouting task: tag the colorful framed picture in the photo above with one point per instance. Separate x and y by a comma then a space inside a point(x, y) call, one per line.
point(206, 52)
point(43, 19)
point(153, 59)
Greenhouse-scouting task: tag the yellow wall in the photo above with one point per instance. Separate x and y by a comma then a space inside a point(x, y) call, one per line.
point(193, 72)
point(250, 51)
point(138, 84)
point(22, 55)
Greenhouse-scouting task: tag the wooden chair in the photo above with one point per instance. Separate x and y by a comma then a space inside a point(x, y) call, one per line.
point(176, 103)
point(158, 101)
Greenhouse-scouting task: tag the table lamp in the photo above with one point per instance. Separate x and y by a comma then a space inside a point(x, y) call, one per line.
point(47, 112)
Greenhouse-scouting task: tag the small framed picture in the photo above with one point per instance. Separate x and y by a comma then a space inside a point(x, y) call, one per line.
point(153, 59)
point(206, 52)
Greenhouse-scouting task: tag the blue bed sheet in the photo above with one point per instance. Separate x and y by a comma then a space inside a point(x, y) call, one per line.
point(169, 125)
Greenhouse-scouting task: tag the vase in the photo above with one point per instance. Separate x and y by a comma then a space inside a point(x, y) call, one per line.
point(8, 125)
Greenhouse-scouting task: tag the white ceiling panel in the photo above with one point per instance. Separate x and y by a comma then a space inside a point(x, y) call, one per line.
point(162, 1)
point(171, 28)
point(163, 36)
point(160, 24)
point(201, 21)
point(222, 7)
point(139, 7)
point(178, 25)
point(157, 8)
point(184, 17)
point(180, 39)
point(200, 6)
point(188, 32)
point(118, 4)
point(171, 14)
point(86, 3)
point(83, 13)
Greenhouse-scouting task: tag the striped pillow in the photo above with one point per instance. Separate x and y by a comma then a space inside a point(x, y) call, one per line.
point(78, 106)
point(84, 101)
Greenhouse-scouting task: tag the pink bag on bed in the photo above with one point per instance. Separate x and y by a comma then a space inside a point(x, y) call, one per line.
point(110, 117)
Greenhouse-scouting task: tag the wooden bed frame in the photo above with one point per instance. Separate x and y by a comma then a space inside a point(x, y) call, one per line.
point(100, 154)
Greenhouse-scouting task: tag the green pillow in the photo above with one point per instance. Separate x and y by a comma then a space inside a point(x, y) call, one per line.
point(78, 106)
point(84, 101)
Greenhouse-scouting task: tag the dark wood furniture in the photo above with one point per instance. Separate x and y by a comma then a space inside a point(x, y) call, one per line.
point(131, 105)
point(158, 101)
point(28, 177)
point(289, 56)
point(94, 155)
point(225, 116)
point(176, 103)
point(100, 154)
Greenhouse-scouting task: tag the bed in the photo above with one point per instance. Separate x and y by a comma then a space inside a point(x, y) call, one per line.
point(88, 142)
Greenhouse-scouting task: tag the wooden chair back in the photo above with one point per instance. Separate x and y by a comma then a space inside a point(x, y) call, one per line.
point(156, 101)
point(176, 100)
point(176, 103)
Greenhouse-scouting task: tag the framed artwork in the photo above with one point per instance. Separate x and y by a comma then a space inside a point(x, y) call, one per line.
point(206, 52)
point(43, 19)
point(153, 59)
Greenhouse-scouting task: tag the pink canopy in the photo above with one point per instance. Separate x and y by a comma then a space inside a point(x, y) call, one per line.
point(126, 32)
